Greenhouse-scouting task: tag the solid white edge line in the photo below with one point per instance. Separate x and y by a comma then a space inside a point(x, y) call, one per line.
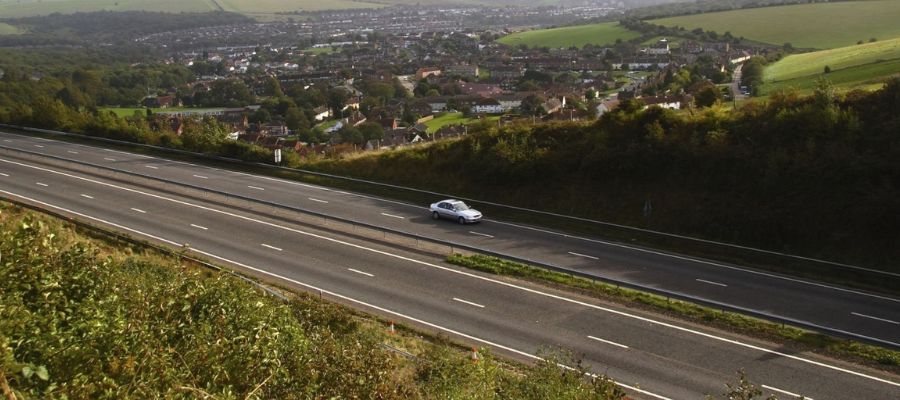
point(270, 247)
point(608, 342)
point(138, 210)
point(875, 318)
point(393, 216)
point(468, 302)
point(331, 293)
point(638, 249)
point(711, 282)
point(583, 255)
point(200, 227)
point(86, 196)
point(472, 275)
point(317, 200)
point(481, 234)
point(775, 389)
point(360, 272)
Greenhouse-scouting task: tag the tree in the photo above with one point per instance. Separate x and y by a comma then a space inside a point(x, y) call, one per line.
point(532, 105)
point(371, 131)
point(707, 96)
point(203, 136)
point(260, 116)
point(350, 134)
point(827, 69)
point(295, 119)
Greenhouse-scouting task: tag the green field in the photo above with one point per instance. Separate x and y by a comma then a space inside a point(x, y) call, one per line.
point(598, 34)
point(7, 29)
point(453, 119)
point(857, 66)
point(253, 8)
point(28, 8)
point(819, 25)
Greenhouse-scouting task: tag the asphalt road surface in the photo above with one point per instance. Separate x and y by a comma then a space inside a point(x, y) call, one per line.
point(666, 359)
point(866, 314)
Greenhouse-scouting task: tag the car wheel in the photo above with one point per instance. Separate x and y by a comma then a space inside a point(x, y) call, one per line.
point(435, 215)
point(462, 220)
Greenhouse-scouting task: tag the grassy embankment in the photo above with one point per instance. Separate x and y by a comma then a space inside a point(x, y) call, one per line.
point(7, 29)
point(456, 118)
point(818, 26)
point(796, 339)
point(598, 34)
point(84, 316)
point(862, 66)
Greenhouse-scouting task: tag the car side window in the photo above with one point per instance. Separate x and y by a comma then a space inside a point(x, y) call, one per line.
point(443, 205)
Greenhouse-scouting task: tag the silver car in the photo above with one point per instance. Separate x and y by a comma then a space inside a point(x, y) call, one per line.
point(455, 210)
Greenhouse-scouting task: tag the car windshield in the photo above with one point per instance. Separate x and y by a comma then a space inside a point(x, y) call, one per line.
point(460, 206)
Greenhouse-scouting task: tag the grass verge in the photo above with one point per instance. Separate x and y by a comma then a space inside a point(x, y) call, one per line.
point(795, 338)
point(82, 316)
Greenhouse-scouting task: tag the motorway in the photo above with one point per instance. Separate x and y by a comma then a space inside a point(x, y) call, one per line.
point(858, 312)
point(667, 359)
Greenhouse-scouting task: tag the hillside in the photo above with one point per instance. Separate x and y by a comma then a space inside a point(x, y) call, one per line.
point(814, 176)
point(598, 34)
point(816, 25)
point(83, 318)
point(264, 9)
point(857, 66)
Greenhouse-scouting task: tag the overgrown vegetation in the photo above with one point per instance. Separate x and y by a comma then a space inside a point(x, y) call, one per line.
point(810, 175)
point(84, 318)
point(796, 338)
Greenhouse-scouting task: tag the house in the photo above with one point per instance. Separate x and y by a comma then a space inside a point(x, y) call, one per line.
point(321, 113)
point(552, 105)
point(488, 105)
point(351, 104)
point(509, 102)
point(462, 70)
point(388, 123)
point(355, 119)
point(480, 89)
point(423, 73)
point(275, 129)
point(606, 106)
point(660, 48)
point(511, 72)
point(667, 102)
point(161, 102)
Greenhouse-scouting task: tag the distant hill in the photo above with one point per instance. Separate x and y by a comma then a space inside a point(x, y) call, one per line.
point(858, 66)
point(580, 35)
point(815, 26)
point(256, 8)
